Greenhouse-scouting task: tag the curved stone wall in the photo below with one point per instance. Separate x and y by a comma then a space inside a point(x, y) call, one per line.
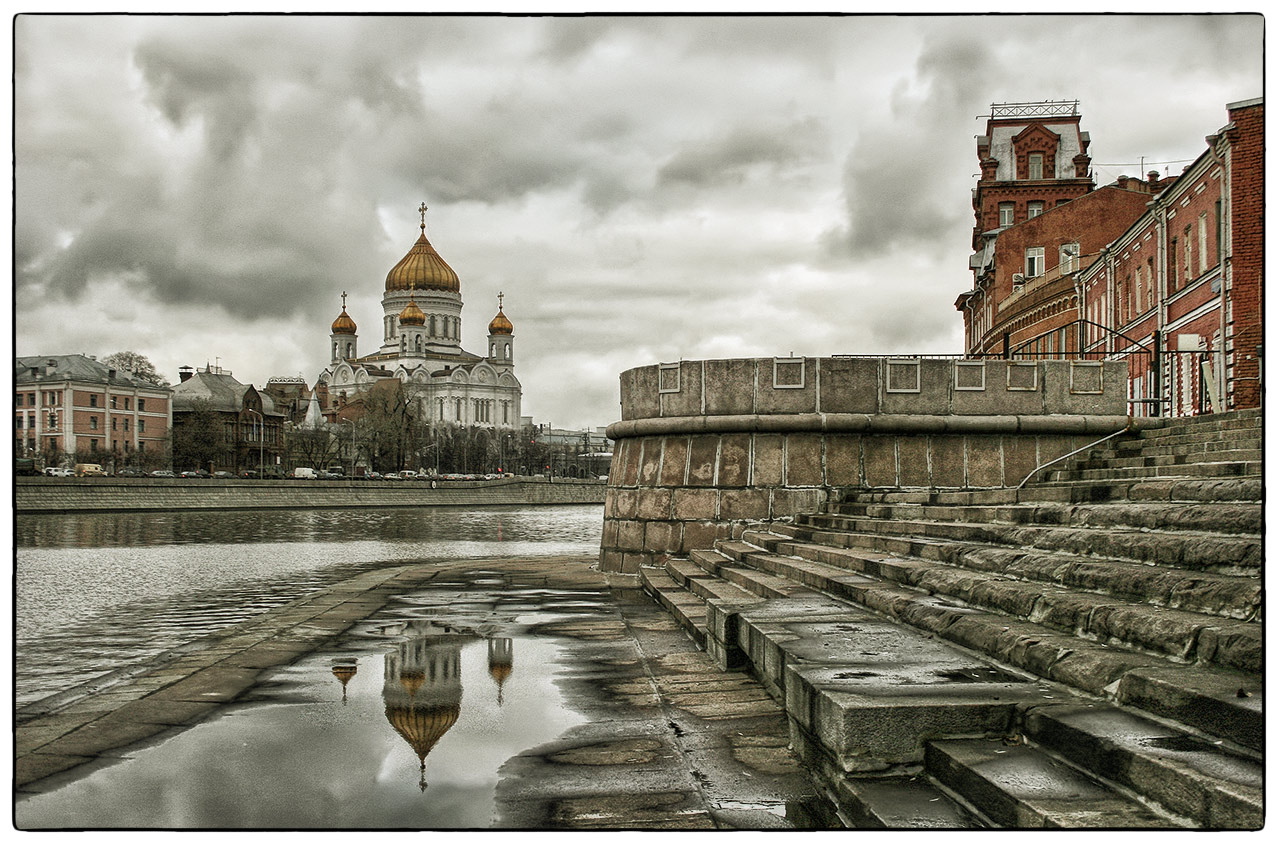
point(705, 447)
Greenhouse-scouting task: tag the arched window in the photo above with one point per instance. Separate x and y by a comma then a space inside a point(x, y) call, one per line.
point(350, 348)
point(403, 342)
point(492, 351)
point(418, 344)
point(334, 350)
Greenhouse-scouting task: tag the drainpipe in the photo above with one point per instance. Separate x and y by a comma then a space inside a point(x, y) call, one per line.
point(1160, 228)
point(1221, 242)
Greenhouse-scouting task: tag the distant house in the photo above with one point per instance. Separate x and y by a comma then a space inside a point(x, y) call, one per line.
point(251, 426)
point(74, 406)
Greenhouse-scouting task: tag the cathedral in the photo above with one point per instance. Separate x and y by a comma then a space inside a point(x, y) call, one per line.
point(421, 346)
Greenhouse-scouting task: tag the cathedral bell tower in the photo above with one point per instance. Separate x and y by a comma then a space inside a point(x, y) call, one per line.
point(501, 341)
point(343, 343)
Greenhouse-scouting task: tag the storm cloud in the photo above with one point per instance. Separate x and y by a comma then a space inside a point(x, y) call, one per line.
point(640, 188)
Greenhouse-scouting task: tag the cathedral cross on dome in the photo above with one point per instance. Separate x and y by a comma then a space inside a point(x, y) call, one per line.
point(422, 211)
point(500, 297)
point(343, 300)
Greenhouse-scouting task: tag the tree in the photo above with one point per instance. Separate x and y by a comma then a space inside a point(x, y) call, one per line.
point(137, 364)
point(199, 438)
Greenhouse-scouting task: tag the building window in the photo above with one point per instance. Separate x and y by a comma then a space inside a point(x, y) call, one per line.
point(93, 446)
point(141, 405)
point(1069, 258)
point(93, 401)
point(126, 425)
point(1006, 213)
point(18, 400)
point(1035, 209)
point(1172, 277)
point(93, 423)
point(114, 402)
point(1189, 256)
point(1034, 262)
point(114, 424)
point(1202, 242)
point(1036, 165)
point(141, 426)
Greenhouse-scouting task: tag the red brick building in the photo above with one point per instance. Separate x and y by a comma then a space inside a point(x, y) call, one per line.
point(1134, 269)
point(1187, 278)
point(72, 407)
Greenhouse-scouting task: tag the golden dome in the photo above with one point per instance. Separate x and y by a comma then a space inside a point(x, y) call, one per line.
point(343, 324)
point(500, 324)
point(412, 315)
point(423, 269)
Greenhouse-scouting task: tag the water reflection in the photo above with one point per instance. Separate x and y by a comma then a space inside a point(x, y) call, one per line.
point(422, 687)
point(501, 661)
point(345, 669)
point(99, 592)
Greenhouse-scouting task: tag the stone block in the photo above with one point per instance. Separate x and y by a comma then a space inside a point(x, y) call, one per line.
point(653, 503)
point(879, 455)
point(772, 399)
point(849, 385)
point(729, 387)
point(792, 502)
point(738, 504)
point(1020, 457)
point(984, 461)
point(948, 461)
point(649, 461)
point(803, 460)
point(769, 460)
point(628, 457)
point(701, 536)
point(639, 399)
point(995, 399)
point(933, 396)
point(674, 461)
point(630, 563)
point(609, 538)
point(734, 460)
point(630, 535)
point(686, 402)
point(694, 504)
point(843, 460)
point(662, 536)
point(703, 452)
point(912, 454)
point(610, 559)
point(626, 502)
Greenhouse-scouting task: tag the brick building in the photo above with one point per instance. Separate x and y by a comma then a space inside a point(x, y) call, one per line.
point(72, 407)
point(251, 427)
point(1186, 278)
point(1134, 269)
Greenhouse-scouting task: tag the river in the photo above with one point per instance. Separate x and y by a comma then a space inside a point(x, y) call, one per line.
point(99, 592)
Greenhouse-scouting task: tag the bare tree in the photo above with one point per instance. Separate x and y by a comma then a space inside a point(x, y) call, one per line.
point(138, 364)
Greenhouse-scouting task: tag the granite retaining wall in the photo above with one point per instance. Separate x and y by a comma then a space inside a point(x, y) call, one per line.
point(706, 447)
point(52, 495)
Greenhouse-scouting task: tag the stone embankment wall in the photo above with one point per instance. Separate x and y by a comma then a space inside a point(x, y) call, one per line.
point(704, 447)
point(36, 495)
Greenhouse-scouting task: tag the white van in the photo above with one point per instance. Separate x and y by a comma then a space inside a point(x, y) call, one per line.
point(305, 472)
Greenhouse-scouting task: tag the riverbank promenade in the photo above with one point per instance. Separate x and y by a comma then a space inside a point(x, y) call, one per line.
point(669, 740)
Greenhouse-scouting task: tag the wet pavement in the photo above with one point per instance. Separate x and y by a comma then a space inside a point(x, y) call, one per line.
point(531, 693)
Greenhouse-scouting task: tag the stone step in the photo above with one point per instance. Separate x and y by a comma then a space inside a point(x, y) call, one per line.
point(1225, 469)
point(1196, 550)
point(901, 802)
point(1202, 696)
point(1187, 446)
point(1180, 489)
point(1213, 786)
point(1129, 461)
point(1205, 425)
point(1020, 787)
point(689, 610)
point(757, 583)
point(1218, 517)
point(1179, 634)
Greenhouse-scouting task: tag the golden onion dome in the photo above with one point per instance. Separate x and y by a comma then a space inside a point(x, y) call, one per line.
point(412, 315)
point(500, 323)
point(343, 324)
point(423, 269)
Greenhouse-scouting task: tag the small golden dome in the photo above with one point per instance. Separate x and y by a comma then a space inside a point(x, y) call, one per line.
point(423, 269)
point(412, 315)
point(343, 324)
point(500, 324)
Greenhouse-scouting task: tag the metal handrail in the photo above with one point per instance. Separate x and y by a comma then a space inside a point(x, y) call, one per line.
point(1126, 429)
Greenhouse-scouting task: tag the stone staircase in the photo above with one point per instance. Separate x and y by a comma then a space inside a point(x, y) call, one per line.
point(1082, 652)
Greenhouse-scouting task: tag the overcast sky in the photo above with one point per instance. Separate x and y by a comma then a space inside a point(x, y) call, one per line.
point(202, 189)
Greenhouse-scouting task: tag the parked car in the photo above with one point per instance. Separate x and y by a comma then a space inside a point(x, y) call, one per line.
point(162, 473)
point(249, 473)
point(273, 472)
point(89, 470)
point(58, 472)
point(194, 473)
point(129, 472)
point(223, 474)
point(392, 476)
point(373, 476)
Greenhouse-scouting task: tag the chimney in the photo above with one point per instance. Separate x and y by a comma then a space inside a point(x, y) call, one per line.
point(1152, 175)
point(184, 374)
point(1122, 182)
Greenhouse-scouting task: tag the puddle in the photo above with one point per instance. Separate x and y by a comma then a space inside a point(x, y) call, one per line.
point(404, 725)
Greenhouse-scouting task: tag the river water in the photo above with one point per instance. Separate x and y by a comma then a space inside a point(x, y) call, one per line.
point(99, 592)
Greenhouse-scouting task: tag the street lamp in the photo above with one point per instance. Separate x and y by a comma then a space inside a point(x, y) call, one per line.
point(261, 436)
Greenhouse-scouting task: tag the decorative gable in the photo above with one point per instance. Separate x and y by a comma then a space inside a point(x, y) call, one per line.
point(1036, 139)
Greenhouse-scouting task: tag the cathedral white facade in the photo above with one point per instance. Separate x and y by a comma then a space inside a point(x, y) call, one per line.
point(421, 346)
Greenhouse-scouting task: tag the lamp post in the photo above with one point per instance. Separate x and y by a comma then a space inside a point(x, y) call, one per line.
point(261, 436)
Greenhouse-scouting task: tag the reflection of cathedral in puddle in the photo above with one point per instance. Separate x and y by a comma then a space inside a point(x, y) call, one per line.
point(422, 687)
point(501, 661)
point(344, 669)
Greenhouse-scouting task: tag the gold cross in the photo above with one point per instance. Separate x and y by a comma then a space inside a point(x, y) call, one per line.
point(343, 300)
point(422, 211)
point(500, 297)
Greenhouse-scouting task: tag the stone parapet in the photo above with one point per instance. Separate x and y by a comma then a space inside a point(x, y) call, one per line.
point(706, 447)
